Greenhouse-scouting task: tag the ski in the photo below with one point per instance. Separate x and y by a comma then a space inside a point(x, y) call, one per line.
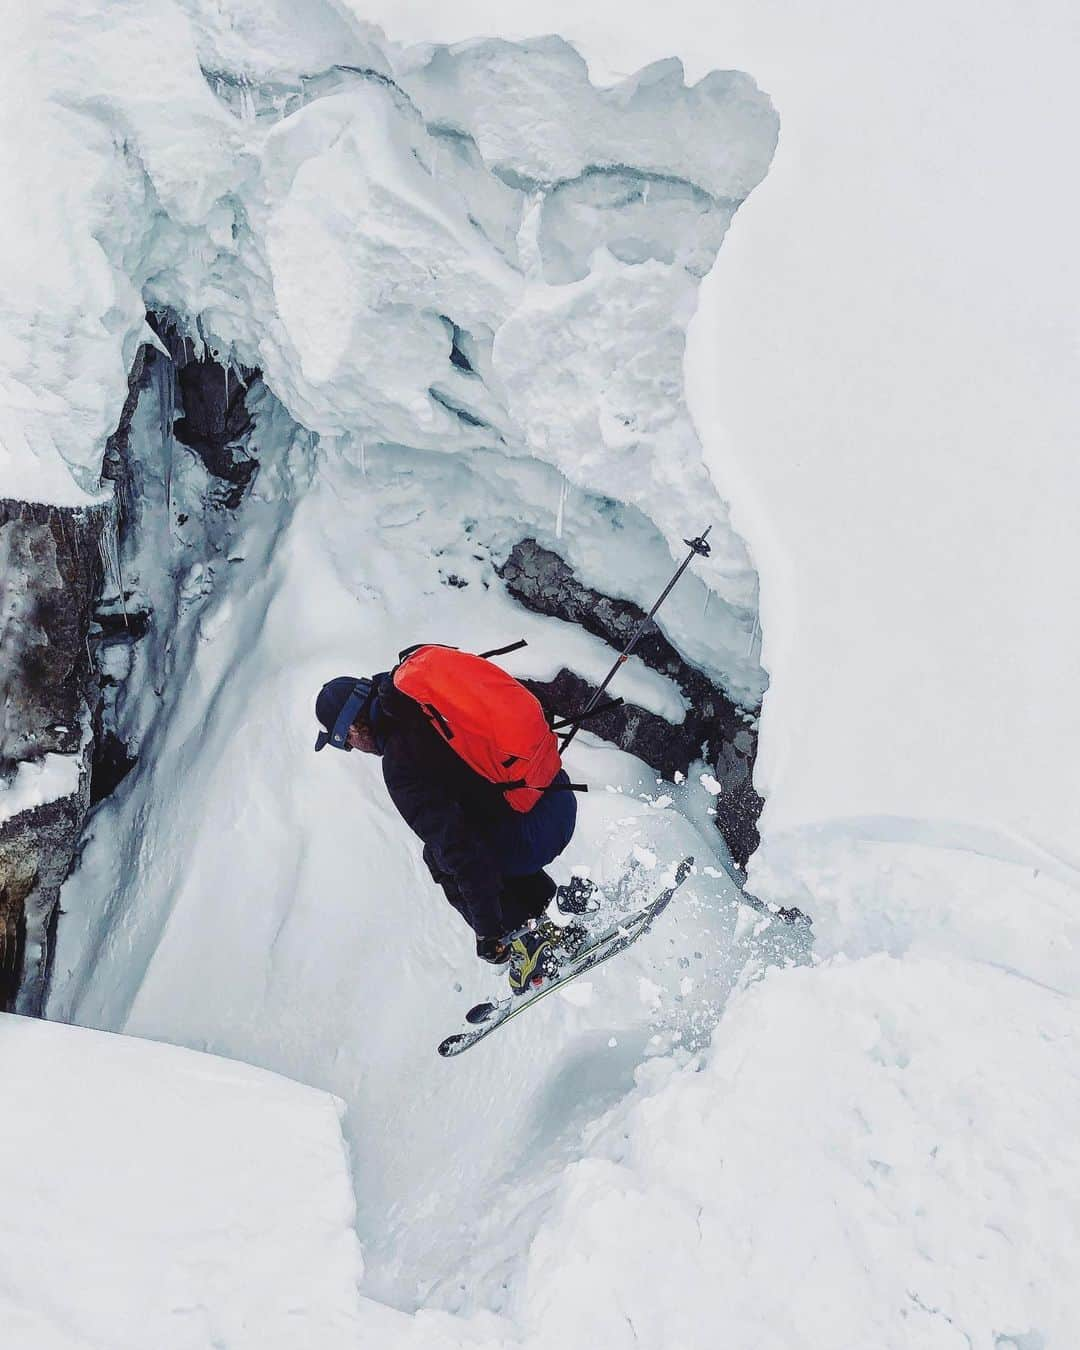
point(485, 1018)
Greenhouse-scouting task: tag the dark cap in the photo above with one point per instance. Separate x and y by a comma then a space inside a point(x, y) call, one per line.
point(340, 703)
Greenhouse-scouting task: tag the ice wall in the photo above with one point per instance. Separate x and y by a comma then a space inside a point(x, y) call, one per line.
point(345, 216)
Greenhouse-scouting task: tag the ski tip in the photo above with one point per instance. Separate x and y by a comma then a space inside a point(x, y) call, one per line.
point(453, 1045)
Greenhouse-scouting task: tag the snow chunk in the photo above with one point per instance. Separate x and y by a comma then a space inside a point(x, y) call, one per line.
point(649, 992)
point(645, 856)
point(534, 115)
point(579, 994)
point(709, 783)
point(221, 1192)
point(39, 781)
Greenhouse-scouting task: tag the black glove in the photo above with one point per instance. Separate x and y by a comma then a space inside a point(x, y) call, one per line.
point(493, 949)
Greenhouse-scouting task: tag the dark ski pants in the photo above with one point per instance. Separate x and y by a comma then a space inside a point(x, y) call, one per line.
point(522, 845)
point(521, 899)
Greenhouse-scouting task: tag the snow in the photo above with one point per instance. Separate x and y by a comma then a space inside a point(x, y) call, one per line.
point(266, 903)
point(147, 1200)
point(541, 119)
point(874, 1149)
point(915, 524)
point(844, 1166)
point(39, 781)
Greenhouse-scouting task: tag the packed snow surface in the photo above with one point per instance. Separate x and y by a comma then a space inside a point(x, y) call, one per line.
point(158, 1197)
point(877, 1149)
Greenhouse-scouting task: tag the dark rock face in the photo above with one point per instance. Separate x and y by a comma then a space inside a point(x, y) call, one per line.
point(36, 851)
point(716, 729)
point(51, 575)
point(215, 420)
point(55, 627)
point(52, 569)
point(110, 765)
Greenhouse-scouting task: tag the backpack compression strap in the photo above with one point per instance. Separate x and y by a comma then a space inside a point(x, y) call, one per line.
point(495, 651)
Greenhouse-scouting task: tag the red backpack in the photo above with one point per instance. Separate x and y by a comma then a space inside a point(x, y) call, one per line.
point(490, 720)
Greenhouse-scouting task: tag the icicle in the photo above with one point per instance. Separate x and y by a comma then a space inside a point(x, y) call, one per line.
point(705, 606)
point(167, 406)
point(225, 367)
point(109, 548)
point(564, 487)
point(753, 635)
point(528, 237)
point(363, 458)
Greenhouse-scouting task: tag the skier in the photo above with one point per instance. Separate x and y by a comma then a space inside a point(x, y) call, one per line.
point(488, 857)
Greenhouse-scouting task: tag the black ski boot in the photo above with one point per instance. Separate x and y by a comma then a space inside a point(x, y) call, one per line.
point(578, 896)
point(538, 950)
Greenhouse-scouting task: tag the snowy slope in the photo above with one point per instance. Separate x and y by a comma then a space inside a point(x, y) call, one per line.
point(247, 897)
point(146, 1201)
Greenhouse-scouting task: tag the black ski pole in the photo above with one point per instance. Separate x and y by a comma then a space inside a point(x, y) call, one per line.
point(698, 548)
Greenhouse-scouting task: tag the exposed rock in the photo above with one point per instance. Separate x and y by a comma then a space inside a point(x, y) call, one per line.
point(213, 398)
point(124, 625)
point(715, 729)
point(51, 565)
point(36, 852)
point(51, 569)
point(111, 765)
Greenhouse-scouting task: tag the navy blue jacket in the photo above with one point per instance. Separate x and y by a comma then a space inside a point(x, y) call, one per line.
point(471, 833)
